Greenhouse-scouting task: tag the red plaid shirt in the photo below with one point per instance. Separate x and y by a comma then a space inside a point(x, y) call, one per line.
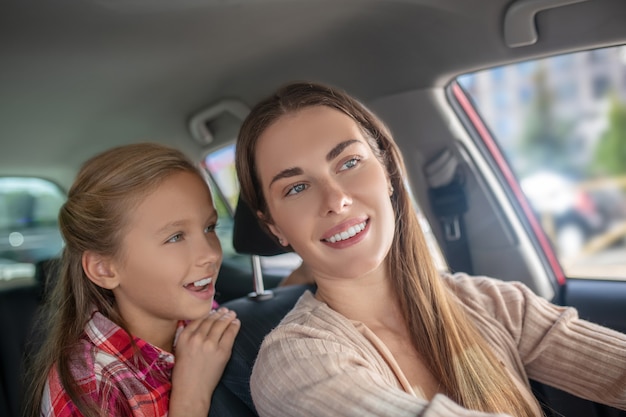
point(112, 376)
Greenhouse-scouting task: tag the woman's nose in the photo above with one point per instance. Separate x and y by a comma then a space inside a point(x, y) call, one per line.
point(335, 199)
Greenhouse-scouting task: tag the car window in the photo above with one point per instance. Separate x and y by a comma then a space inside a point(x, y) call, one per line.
point(220, 165)
point(29, 232)
point(561, 123)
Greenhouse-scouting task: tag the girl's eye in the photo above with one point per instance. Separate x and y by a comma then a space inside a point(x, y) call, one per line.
point(176, 238)
point(296, 189)
point(350, 163)
point(210, 228)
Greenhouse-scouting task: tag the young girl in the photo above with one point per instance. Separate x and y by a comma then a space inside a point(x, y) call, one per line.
point(137, 282)
point(385, 334)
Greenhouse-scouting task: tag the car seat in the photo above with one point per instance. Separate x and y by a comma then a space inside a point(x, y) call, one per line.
point(18, 307)
point(259, 313)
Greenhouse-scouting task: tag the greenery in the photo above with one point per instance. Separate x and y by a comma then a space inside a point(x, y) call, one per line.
point(610, 155)
point(545, 140)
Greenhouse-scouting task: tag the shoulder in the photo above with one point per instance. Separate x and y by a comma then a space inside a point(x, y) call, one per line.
point(86, 366)
point(488, 293)
point(502, 303)
point(100, 370)
point(495, 303)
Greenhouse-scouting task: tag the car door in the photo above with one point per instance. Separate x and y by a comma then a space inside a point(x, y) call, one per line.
point(554, 131)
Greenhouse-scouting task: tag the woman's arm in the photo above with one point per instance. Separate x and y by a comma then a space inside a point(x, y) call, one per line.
point(555, 346)
point(582, 358)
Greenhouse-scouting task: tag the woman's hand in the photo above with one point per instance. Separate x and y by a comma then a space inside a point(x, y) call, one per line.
point(202, 350)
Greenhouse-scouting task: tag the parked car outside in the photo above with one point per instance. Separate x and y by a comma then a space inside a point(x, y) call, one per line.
point(568, 213)
point(28, 225)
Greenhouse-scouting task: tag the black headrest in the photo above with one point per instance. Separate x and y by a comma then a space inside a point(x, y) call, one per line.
point(248, 235)
point(46, 274)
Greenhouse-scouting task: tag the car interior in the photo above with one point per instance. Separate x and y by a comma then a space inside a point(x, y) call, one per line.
point(80, 77)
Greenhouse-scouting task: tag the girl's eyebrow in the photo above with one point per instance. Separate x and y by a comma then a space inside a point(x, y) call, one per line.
point(171, 226)
point(176, 224)
point(334, 152)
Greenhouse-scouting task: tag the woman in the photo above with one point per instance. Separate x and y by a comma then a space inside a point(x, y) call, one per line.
point(385, 333)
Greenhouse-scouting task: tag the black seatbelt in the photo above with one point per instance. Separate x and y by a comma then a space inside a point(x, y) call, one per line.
point(449, 203)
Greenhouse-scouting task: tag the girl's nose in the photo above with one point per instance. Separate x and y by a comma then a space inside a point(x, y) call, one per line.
point(209, 250)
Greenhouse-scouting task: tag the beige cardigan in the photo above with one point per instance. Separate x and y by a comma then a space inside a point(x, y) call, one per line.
point(319, 363)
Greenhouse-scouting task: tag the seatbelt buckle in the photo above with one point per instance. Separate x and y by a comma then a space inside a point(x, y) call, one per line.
point(451, 228)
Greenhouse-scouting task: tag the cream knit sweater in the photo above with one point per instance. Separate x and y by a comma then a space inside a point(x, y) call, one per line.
point(319, 363)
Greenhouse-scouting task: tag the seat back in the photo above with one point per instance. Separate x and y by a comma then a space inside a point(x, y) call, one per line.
point(18, 309)
point(232, 396)
point(18, 306)
point(258, 317)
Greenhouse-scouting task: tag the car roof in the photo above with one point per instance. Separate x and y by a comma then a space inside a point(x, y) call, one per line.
point(79, 77)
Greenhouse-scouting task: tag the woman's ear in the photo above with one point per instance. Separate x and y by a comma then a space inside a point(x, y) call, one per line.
point(273, 229)
point(100, 270)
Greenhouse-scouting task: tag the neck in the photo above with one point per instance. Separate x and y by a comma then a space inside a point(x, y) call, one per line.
point(369, 299)
point(160, 335)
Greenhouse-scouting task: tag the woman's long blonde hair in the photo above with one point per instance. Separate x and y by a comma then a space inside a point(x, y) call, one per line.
point(93, 218)
point(455, 352)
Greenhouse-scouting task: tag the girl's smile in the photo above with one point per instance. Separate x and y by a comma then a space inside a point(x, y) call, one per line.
point(202, 288)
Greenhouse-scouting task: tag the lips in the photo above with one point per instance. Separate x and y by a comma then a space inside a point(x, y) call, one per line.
point(199, 285)
point(345, 231)
point(347, 234)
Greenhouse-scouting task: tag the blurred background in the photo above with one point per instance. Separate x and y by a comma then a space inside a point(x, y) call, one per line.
point(561, 122)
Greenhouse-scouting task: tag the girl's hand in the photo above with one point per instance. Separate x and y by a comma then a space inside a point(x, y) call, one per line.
point(202, 350)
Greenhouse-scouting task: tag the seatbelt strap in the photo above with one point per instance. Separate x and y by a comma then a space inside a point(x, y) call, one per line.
point(449, 202)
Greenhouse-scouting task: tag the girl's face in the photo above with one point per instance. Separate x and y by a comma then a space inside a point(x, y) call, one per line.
point(170, 256)
point(327, 193)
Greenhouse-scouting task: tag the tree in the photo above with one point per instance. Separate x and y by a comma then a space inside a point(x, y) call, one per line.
point(610, 154)
point(545, 139)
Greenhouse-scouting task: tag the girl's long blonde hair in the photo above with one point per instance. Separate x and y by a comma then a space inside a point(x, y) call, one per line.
point(93, 218)
point(455, 352)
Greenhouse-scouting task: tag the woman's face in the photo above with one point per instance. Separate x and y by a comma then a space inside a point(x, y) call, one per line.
point(327, 193)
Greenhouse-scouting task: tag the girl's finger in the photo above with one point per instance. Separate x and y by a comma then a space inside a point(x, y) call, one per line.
point(216, 330)
point(228, 337)
point(202, 325)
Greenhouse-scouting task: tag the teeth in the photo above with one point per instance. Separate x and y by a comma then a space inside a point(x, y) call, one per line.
point(202, 282)
point(352, 231)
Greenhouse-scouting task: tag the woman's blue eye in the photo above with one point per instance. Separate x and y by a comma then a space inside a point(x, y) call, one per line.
point(177, 237)
point(298, 188)
point(350, 163)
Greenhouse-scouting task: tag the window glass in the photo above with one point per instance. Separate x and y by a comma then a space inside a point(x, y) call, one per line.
point(563, 130)
point(29, 233)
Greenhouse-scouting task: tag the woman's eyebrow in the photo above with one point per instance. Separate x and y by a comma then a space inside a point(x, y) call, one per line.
point(334, 152)
point(286, 173)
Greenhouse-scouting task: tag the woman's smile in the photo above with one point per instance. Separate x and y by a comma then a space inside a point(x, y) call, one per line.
point(349, 233)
